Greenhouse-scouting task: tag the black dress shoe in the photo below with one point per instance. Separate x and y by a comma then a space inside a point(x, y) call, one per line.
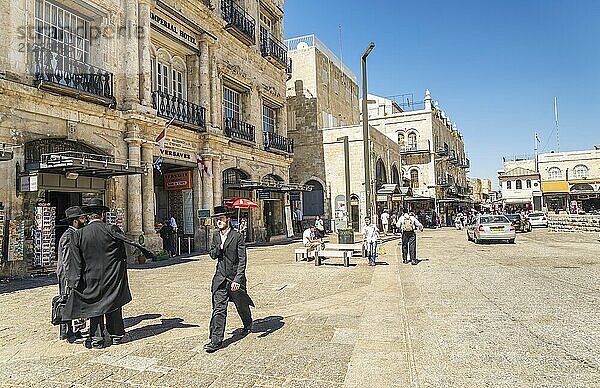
point(245, 331)
point(94, 345)
point(212, 347)
point(117, 340)
point(76, 338)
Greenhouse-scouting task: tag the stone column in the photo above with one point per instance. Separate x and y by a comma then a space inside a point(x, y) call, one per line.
point(144, 53)
point(216, 94)
point(217, 181)
point(148, 190)
point(199, 243)
point(194, 79)
point(134, 187)
point(204, 80)
point(132, 68)
point(207, 185)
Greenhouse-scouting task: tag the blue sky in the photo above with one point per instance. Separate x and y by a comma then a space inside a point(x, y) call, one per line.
point(494, 67)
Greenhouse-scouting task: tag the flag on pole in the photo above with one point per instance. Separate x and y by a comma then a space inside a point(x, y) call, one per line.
point(537, 138)
point(202, 166)
point(158, 164)
point(160, 139)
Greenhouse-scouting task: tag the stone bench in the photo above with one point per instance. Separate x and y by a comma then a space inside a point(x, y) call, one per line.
point(304, 252)
point(330, 253)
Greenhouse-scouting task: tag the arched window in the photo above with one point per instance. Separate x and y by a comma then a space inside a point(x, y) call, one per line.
point(169, 73)
point(395, 175)
point(528, 183)
point(508, 184)
point(401, 140)
point(380, 174)
point(414, 178)
point(554, 173)
point(233, 177)
point(313, 202)
point(271, 179)
point(412, 141)
point(518, 184)
point(580, 171)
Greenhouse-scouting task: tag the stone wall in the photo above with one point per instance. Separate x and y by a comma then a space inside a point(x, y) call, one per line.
point(573, 223)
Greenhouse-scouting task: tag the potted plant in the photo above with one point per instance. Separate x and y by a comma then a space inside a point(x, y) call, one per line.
point(345, 236)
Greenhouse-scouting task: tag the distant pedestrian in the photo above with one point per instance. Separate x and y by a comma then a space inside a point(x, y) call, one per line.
point(167, 234)
point(385, 219)
point(409, 224)
point(370, 238)
point(173, 224)
point(298, 219)
point(393, 219)
point(76, 218)
point(319, 228)
point(229, 281)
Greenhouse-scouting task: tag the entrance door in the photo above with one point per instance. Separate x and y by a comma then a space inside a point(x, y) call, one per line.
point(61, 201)
point(269, 217)
point(355, 217)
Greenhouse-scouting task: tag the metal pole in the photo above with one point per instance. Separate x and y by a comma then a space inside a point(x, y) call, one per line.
point(347, 175)
point(365, 117)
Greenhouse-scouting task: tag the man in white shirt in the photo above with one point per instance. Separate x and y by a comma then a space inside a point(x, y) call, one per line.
point(298, 219)
point(385, 218)
point(408, 224)
point(310, 240)
point(370, 237)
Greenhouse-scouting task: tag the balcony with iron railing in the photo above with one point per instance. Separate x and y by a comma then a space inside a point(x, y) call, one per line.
point(239, 22)
point(240, 131)
point(277, 143)
point(419, 147)
point(466, 164)
point(62, 74)
point(273, 50)
point(184, 113)
point(442, 150)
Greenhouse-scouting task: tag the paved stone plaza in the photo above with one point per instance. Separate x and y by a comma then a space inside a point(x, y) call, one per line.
point(468, 315)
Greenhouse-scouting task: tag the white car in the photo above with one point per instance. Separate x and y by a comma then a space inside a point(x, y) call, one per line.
point(538, 219)
point(491, 227)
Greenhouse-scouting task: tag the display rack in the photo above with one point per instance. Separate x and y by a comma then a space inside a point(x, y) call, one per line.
point(116, 216)
point(44, 236)
point(16, 240)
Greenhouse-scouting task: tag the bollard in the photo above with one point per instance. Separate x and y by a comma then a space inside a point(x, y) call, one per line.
point(178, 246)
point(189, 243)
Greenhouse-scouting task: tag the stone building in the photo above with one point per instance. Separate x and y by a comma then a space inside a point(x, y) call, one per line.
point(433, 157)
point(521, 188)
point(86, 87)
point(321, 93)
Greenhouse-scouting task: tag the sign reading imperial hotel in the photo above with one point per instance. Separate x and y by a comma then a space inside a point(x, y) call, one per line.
point(202, 69)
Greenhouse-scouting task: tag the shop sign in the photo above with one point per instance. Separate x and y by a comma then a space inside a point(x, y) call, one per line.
point(203, 213)
point(180, 180)
point(264, 195)
point(29, 183)
point(382, 198)
point(166, 24)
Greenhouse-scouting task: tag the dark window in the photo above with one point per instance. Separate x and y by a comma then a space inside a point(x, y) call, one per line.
point(518, 184)
point(313, 202)
point(508, 184)
point(528, 183)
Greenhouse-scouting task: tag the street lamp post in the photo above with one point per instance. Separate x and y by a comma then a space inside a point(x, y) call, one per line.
point(365, 117)
point(347, 176)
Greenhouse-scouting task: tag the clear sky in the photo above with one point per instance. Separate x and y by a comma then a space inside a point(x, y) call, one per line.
point(494, 66)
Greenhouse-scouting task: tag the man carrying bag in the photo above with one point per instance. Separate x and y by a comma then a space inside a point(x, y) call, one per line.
point(408, 224)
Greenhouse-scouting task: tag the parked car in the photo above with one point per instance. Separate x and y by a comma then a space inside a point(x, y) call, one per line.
point(491, 227)
point(538, 219)
point(521, 223)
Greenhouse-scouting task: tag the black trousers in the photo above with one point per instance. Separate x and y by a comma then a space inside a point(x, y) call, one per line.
point(409, 246)
point(220, 298)
point(114, 325)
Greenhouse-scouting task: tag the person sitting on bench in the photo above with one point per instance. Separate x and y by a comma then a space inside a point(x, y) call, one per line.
point(310, 240)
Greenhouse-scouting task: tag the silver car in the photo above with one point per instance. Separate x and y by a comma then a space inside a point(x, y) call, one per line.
point(491, 227)
point(538, 219)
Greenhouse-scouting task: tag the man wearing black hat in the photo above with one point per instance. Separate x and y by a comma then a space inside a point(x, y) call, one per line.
point(64, 267)
point(102, 288)
point(229, 281)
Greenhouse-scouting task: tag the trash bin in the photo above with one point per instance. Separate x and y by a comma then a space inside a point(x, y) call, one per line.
point(346, 236)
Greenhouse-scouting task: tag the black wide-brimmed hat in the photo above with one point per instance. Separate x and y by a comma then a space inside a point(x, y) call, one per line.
point(221, 211)
point(73, 212)
point(95, 204)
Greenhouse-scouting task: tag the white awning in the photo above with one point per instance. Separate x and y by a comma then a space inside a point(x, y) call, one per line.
point(516, 201)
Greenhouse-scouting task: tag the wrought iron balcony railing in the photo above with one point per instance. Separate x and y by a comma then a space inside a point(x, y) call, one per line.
point(415, 148)
point(237, 129)
point(465, 164)
point(184, 113)
point(273, 50)
point(239, 22)
point(63, 74)
point(272, 141)
point(442, 150)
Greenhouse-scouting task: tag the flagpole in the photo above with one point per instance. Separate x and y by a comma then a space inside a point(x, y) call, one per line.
point(556, 124)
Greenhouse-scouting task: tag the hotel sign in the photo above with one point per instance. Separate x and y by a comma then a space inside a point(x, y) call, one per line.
point(172, 28)
point(180, 180)
point(177, 149)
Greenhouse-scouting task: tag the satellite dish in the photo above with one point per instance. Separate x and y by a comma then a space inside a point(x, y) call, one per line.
point(301, 46)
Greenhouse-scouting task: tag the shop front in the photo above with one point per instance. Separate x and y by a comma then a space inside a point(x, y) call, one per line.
point(556, 196)
point(423, 208)
point(585, 196)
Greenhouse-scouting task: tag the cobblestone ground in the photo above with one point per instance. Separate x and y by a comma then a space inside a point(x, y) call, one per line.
point(467, 316)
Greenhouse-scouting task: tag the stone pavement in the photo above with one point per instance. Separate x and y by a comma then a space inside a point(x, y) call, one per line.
point(467, 316)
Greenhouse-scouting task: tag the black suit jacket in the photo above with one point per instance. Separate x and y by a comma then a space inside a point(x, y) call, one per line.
point(64, 267)
point(100, 259)
point(231, 260)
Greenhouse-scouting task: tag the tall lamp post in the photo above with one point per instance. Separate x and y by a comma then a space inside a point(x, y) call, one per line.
point(365, 117)
point(347, 177)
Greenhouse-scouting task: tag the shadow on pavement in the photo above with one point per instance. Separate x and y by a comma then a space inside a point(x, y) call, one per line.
point(134, 321)
point(264, 326)
point(381, 263)
point(161, 263)
point(19, 284)
point(157, 328)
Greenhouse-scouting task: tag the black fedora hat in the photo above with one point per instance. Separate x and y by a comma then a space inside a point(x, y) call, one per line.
point(221, 211)
point(95, 204)
point(73, 212)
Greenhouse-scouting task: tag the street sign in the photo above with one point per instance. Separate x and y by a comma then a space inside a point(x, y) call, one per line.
point(203, 213)
point(264, 195)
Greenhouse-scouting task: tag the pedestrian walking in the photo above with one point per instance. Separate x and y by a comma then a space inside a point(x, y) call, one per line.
point(298, 219)
point(70, 331)
point(393, 219)
point(101, 288)
point(385, 218)
point(370, 237)
point(319, 228)
point(229, 281)
point(409, 224)
point(167, 234)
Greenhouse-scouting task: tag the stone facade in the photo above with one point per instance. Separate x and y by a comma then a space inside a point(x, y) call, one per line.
point(574, 223)
point(203, 52)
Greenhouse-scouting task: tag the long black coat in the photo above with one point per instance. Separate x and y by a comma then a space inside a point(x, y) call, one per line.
point(100, 259)
point(231, 261)
point(64, 266)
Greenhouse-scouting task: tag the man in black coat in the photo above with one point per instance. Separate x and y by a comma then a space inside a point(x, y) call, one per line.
point(229, 282)
point(64, 267)
point(102, 288)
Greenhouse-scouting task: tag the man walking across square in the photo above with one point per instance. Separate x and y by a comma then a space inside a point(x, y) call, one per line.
point(408, 224)
point(370, 237)
point(385, 218)
point(229, 281)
